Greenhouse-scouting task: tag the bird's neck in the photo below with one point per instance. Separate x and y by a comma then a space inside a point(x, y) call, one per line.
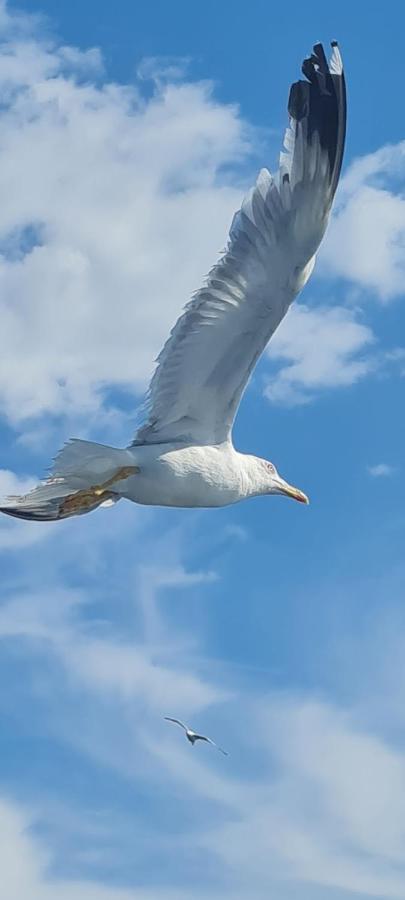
point(251, 484)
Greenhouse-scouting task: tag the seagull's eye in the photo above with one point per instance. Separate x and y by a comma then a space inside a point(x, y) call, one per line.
point(270, 467)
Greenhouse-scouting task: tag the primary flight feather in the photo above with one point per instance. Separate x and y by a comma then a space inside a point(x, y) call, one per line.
point(183, 454)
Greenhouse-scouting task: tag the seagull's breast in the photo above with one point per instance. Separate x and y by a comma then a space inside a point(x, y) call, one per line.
point(185, 476)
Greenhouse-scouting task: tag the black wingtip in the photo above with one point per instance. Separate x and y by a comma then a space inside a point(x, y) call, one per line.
point(334, 43)
point(319, 58)
point(321, 101)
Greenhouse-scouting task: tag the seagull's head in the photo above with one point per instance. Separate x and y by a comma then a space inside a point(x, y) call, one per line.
point(272, 483)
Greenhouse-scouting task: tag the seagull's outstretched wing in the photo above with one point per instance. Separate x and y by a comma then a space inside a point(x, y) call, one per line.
point(208, 358)
point(202, 737)
point(176, 721)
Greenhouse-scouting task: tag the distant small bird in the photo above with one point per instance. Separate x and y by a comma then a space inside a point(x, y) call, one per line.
point(192, 736)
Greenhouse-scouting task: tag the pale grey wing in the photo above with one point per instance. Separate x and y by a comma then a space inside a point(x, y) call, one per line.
point(206, 362)
point(202, 737)
point(176, 721)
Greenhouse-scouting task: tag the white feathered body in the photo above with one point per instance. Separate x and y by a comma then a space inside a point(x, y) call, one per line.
point(186, 476)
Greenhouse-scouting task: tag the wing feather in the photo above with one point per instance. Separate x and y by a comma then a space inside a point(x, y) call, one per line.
point(176, 721)
point(203, 737)
point(207, 360)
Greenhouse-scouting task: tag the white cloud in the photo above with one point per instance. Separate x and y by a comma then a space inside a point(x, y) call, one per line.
point(236, 532)
point(328, 813)
point(322, 348)
point(121, 211)
point(25, 865)
point(381, 470)
point(129, 669)
point(308, 800)
point(14, 484)
point(366, 238)
point(163, 68)
point(323, 810)
point(396, 357)
point(151, 580)
point(321, 817)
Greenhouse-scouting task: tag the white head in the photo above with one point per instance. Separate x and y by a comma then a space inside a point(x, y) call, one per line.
point(266, 480)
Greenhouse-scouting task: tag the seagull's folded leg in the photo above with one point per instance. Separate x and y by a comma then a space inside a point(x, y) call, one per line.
point(84, 501)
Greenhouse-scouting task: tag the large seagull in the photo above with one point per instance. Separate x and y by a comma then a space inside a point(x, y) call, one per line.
point(183, 454)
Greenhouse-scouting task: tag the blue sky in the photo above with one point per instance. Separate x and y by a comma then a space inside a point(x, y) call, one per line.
point(129, 133)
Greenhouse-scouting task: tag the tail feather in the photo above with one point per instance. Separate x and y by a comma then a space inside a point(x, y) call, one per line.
point(78, 467)
point(54, 500)
point(84, 462)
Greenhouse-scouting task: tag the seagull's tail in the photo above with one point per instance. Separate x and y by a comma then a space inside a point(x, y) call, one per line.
point(80, 480)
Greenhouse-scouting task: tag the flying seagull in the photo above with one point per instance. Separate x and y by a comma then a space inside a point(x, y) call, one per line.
point(192, 736)
point(183, 454)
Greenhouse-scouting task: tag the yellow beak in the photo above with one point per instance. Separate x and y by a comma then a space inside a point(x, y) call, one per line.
point(293, 492)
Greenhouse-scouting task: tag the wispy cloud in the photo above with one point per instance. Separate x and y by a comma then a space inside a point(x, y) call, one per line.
point(105, 664)
point(381, 470)
point(237, 532)
point(322, 813)
point(322, 809)
point(26, 865)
